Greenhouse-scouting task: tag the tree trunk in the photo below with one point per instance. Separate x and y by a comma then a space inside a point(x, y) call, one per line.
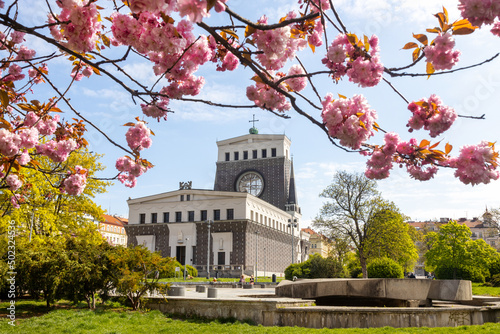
point(364, 270)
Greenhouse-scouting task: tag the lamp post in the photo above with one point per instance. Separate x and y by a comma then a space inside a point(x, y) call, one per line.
point(208, 249)
point(185, 260)
point(293, 224)
point(256, 252)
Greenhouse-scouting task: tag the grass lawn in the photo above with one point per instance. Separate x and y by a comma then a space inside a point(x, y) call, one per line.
point(34, 318)
point(482, 290)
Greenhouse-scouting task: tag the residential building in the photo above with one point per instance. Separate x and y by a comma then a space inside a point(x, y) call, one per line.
point(113, 230)
point(320, 244)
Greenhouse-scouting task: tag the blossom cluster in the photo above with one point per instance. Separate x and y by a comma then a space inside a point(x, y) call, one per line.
point(480, 12)
point(476, 163)
point(138, 136)
point(350, 120)
point(276, 45)
point(82, 30)
point(130, 170)
point(401, 152)
point(173, 49)
point(75, 183)
point(432, 115)
point(441, 54)
point(362, 68)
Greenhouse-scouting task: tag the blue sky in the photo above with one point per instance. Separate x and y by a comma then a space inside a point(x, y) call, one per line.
point(184, 148)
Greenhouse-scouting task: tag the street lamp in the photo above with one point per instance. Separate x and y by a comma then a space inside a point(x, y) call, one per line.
point(256, 251)
point(208, 249)
point(293, 224)
point(185, 260)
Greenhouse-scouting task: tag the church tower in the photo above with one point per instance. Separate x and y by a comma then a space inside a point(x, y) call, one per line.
point(260, 165)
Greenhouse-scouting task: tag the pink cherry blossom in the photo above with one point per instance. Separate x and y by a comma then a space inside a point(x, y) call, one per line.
point(13, 182)
point(75, 183)
point(479, 12)
point(138, 136)
point(343, 58)
point(350, 120)
point(299, 83)
point(476, 163)
point(195, 10)
point(432, 115)
point(441, 54)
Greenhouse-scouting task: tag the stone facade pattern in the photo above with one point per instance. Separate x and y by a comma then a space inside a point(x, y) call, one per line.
point(275, 171)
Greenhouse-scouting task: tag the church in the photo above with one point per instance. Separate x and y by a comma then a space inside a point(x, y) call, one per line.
point(249, 224)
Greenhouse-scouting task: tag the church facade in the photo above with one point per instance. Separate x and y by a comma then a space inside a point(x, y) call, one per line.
point(248, 224)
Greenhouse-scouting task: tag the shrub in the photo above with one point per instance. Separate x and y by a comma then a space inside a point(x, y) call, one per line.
point(384, 268)
point(466, 273)
point(170, 271)
point(495, 280)
point(315, 267)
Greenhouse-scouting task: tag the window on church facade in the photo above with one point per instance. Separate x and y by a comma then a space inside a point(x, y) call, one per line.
point(142, 218)
point(254, 154)
point(245, 155)
point(264, 153)
point(166, 217)
point(217, 214)
point(154, 218)
point(191, 216)
point(227, 156)
point(251, 215)
point(203, 215)
point(230, 214)
point(188, 197)
point(273, 152)
point(178, 217)
point(182, 198)
point(236, 156)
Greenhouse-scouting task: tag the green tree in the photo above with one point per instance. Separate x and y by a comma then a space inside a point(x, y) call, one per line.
point(45, 209)
point(389, 236)
point(353, 203)
point(89, 270)
point(138, 271)
point(41, 266)
point(452, 253)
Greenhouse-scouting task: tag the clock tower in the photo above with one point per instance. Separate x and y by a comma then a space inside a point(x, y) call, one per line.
point(259, 164)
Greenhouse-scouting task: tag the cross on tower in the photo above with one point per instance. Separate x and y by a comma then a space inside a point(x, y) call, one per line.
point(253, 120)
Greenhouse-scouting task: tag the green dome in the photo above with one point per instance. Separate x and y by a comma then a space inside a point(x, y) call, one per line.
point(253, 131)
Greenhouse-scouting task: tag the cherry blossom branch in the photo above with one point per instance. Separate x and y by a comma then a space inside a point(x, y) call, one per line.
point(344, 29)
point(270, 26)
point(442, 72)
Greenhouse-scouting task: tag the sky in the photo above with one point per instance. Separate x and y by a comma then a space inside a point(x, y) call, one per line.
point(184, 147)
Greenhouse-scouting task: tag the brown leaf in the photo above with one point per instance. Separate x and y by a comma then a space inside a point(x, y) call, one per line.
point(249, 31)
point(421, 38)
point(410, 45)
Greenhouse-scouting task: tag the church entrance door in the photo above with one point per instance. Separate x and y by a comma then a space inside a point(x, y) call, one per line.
point(221, 261)
point(181, 254)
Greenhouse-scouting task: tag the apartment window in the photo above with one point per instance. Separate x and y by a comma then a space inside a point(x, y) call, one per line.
point(182, 198)
point(178, 217)
point(166, 217)
point(154, 218)
point(142, 218)
point(191, 216)
point(245, 155)
point(264, 153)
point(203, 215)
point(230, 214)
point(273, 152)
point(217, 214)
point(254, 154)
point(227, 156)
point(236, 156)
point(188, 197)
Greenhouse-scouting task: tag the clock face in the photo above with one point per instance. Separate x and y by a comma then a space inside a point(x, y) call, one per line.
point(251, 182)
